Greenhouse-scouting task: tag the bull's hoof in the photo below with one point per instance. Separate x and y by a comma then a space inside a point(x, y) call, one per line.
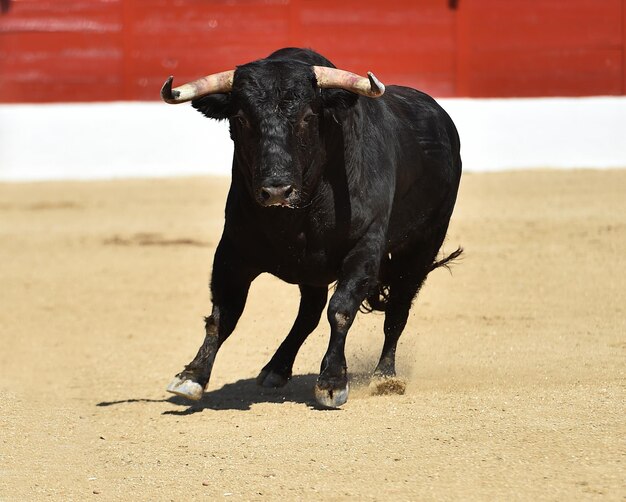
point(185, 388)
point(331, 398)
point(271, 380)
point(387, 385)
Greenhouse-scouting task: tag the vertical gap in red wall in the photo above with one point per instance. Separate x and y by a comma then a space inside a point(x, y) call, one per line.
point(462, 52)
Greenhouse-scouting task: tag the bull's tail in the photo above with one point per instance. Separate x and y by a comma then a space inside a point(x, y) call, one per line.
point(379, 297)
point(446, 262)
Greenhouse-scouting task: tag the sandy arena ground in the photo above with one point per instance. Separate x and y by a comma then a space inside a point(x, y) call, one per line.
point(515, 362)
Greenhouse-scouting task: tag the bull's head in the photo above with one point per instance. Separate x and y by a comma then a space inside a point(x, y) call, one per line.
point(276, 111)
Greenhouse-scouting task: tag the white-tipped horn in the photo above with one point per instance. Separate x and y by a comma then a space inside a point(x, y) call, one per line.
point(211, 84)
point(333, 78)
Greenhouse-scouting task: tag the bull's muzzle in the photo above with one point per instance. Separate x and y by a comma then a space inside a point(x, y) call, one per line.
point(277, 195)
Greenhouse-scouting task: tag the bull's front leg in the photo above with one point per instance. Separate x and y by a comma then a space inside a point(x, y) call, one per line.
point(278, 371)
point(230, 283)
point(358, 274)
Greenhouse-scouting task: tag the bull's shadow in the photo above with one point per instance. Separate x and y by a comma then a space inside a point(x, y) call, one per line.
point(240, 395)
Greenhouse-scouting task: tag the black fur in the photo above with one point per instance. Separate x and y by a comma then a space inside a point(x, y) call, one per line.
point(374, 185)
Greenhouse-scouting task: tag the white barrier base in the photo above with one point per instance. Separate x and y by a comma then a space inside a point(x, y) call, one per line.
point(113, 140)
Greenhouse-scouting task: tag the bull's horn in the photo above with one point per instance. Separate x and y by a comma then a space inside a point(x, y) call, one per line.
point(211, 84)
point(332, 78)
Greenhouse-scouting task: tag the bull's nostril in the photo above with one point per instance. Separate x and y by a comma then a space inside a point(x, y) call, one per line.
point(275, 195)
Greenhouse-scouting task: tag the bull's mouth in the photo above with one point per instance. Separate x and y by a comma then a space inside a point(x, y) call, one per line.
point(285, 205)
point(281, 204)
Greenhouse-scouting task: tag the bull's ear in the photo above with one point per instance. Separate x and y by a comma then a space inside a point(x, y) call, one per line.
point(339, 99)
point(214, 106)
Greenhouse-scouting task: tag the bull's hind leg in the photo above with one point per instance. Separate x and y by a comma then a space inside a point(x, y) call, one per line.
point(408, 272)
point(384, 379)
point(229, 287)
point(278, 371)
point(395, 320)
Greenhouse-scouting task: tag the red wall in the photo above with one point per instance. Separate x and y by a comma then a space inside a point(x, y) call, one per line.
point(541, 47)
point(86, 50)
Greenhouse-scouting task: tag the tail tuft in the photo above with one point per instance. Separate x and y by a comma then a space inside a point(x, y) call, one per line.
point(446, 262)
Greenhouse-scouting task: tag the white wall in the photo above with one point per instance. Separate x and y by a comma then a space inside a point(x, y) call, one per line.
point(545, 132)
point(110, 140)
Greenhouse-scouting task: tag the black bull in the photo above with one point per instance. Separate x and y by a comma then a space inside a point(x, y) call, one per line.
point(327, 186)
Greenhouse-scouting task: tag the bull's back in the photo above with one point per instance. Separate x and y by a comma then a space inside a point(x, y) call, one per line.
point(427, 163)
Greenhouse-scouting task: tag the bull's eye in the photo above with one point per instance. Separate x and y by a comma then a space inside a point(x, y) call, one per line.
point(241, 119)
point(307, 118)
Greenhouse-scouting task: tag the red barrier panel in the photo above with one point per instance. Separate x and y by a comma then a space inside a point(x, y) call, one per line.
point(61, 51)
point(539, 48)
point(72, 50)
point(410, 42)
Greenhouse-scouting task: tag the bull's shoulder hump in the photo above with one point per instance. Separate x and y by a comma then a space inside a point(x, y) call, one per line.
point(407, 96)
point(417, 113)
point(405, 108)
